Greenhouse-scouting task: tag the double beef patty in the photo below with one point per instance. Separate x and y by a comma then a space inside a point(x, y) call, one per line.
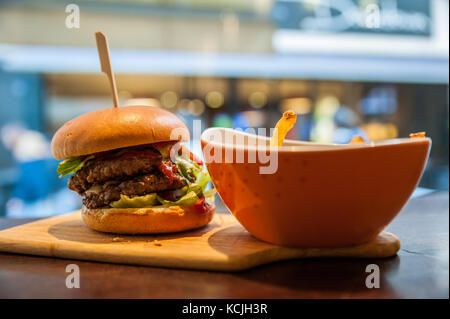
point(135, 175)
point(140, 185)
point(98, 171)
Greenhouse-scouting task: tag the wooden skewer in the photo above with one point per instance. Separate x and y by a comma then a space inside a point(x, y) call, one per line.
point(103, 53)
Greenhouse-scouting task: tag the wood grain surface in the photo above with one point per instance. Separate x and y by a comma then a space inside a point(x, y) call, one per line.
point(223, 245)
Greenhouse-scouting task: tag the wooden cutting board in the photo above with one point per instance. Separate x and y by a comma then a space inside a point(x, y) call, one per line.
point(223, 245)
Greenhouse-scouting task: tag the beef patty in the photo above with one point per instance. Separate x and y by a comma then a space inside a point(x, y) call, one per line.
point(99, 171)
point(131, 171)
point(138, 185)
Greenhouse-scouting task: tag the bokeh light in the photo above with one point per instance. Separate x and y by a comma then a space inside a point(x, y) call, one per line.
point(196, 107)
point(143, 101)
point(214, 99)
point(299, 105)
point(257, 99)
point(255, 118)
point(182, 106)
point(380, 131)
point(240, 120)
point(169, 99)
point(222, 120)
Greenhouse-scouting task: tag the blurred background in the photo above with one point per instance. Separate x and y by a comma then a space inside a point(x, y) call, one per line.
point(375, 68)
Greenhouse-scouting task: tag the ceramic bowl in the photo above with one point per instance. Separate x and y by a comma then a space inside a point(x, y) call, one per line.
point(320, 195)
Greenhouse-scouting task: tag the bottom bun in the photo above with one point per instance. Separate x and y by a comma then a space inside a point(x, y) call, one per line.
point(155, 220)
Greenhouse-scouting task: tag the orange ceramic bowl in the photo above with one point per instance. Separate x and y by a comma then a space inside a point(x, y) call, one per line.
point(321, 195)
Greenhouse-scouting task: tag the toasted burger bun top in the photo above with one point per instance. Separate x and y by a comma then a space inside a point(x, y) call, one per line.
point(112, 128)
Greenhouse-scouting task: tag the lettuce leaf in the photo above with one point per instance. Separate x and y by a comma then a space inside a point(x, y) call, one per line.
point(125, 201)
point(197, 177)
point(192, 194)
point(71, 165)
point(197, 189)
point(203, 179)
point(189, 198)
point(193, 172)
point(187, 168)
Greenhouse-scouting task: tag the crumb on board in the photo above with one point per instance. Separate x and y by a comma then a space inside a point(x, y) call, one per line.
point(156, 242)
point(119, 239)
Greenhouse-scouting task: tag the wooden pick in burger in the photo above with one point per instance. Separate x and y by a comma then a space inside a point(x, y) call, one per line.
point(103, 53)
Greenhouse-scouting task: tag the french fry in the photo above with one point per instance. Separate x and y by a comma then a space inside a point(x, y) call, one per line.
point(283, 126)
point(417, 135)
point(356, 140)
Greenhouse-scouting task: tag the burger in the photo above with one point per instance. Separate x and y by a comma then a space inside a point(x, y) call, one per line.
point(133, 172)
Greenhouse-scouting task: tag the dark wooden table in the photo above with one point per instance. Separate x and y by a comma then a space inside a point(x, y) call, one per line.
point(421, 270)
